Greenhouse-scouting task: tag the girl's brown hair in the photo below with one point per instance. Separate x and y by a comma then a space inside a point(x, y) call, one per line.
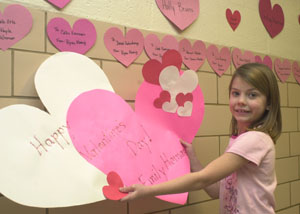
point(264, 80)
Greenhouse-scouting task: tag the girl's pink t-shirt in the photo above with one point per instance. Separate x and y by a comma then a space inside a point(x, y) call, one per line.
point(251, 188)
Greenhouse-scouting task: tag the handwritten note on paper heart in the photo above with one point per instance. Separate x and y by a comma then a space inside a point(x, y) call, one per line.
point(15, 24)
point(296, 71)
point(127, 49)
point(283, 69)
point(180, 13)
point(233, 19)
point(112, 191)
point(80, 39)
point(193, 57)
point(156, 49)
point(59, 3)
point(272, 18)
point(219, 61)
point(240, 58)
point(109, 135)
point(267, 61)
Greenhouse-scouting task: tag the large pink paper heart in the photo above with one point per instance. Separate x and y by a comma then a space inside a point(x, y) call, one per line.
point(233, 19)
point(283, 69)
point(156, 49)
point(15, 24)
point(240, 59)
point(193, 57)
point(267, 61)
point(296, 71)
point(124, 49)
point(79, 39)
point(272, 18)
point(59, 3)
point(219, 61)
point(108, 134)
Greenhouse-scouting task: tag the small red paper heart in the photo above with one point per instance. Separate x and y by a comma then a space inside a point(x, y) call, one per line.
point(151, 69)
point(182, 98)
point(164, 96)
point(299, 19)
point(233, 19)
point(112, 191)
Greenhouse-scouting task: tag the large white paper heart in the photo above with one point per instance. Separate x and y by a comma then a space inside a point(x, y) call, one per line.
point(39, 165)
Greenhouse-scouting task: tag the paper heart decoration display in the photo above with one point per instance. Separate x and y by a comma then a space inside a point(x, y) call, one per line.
point(37, 157)
point(155, 49)
point(124, 49)
point(272, 17)
point(233, 19)
point(112, 191)
point(296, 71)
point(219, 61)
point(180, 13)
point(193, 57)
point(79, 39)
point(164, 96)
point(15, 24)
point(267, 61)
point(240, 58)
point(59, 3)
point(282, 69)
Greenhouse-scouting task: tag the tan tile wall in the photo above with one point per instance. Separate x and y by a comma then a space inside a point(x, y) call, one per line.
point(19, 63)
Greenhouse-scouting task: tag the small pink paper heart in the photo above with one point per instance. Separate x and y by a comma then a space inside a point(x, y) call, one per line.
point(155, 49)
point(193, 57)
point(182, 98)
point(272, 18)
point(283, 69)
point(124, 49)
point(15, 24)
point(180, 13)
point(296, 71)
point(59, 3)
point(112, 191)
point(233, 19)
point(164, 96)
point(239, 59)
point(219, 61)
point(79, 39)
point(267, 61)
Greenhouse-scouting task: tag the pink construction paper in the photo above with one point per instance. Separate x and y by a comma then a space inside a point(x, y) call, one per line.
point(233, 19)
point(282, 69)
point(15, 24)
point(180, 13)
point(110, 135)
point(240, 58)
point(218, 60)
point(124, 49)
point(59, 3)
point(193, 57)
point(296, 71)
point(155, 49)
point(79, 39)
point(112, 191)
point(267, 61)
point(272, 18)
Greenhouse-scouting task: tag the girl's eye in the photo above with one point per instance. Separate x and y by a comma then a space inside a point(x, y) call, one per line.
point(252, 95)
point(235, 93)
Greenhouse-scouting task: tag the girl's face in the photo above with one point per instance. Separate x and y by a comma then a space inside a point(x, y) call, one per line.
point(247, 104)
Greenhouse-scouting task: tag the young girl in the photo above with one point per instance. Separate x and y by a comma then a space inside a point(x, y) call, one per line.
point(243, 177)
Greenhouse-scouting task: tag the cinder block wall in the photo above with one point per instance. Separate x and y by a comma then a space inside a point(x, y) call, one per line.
point(20, 62)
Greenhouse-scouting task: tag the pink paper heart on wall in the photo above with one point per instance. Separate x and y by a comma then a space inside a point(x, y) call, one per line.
point(239, 59)
point(233, 19)
point(296, 71)
point(79, 39)
point(267, 61)
point(15, 24)
point(272, 18)
point(193, 57)
point(218, 60)
point(124, 49)
point(299, 19)
point(283, 69)
point(180, 13)
point(155, 49)
point(59, 3)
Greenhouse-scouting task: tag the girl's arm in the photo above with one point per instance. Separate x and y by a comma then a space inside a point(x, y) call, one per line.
point(213, 172)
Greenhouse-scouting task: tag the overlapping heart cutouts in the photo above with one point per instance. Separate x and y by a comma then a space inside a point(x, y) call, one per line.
point(267, 61)
point(240, 58)
point(15, 24)
point(37, 157)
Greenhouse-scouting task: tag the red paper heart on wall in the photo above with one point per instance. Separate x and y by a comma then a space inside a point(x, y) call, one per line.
point(112, 191)
point(233, 19)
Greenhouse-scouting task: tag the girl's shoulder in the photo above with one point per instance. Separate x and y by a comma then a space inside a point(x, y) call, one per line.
point(254, 136)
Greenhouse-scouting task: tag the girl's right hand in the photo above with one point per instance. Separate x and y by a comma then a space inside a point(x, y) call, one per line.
point(135, 191)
